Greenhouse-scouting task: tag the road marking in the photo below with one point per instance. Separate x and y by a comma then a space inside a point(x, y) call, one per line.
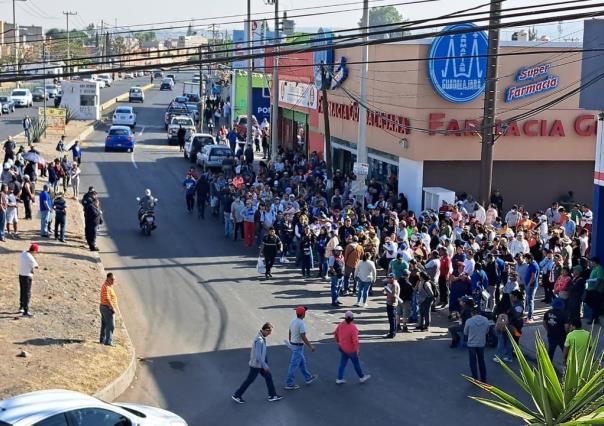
point(142, 130)
point(132, 159)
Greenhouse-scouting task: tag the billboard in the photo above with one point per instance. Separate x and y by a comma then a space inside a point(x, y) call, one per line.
point(239, 49)
point(324, 37)
point(261, 105)
point(592, 65)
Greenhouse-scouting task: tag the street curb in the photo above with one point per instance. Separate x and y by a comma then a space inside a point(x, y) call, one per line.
point(123, 381)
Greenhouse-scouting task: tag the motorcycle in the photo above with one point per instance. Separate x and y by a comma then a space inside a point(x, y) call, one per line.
point(147, 219)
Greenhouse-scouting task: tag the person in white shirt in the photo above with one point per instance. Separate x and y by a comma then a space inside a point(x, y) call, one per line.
point(297, 341)
point(390, 248)
point(469, 263)
point(27, 265)
point(404, 249)
point(513, 217)
point(366, 273)
point(518, 245)
point(543, 228)
point(480, 214)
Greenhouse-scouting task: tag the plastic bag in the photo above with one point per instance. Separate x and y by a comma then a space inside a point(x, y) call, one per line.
point(261, 266)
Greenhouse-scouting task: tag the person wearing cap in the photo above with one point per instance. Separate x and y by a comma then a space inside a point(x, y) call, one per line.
point(258, 365)
point(297, 340)
point(554, 321)
point(27, 266)
point(346, 335)
point(392, 291)
point(476, 330)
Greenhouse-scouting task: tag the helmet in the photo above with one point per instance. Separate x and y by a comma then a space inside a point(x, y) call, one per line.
point(148, 192)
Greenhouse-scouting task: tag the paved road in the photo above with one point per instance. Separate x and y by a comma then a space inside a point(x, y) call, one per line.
point(10, 124)
point(192, 303)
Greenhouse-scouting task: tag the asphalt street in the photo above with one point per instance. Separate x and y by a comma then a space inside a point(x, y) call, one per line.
point(192, 302)
point(10, 124)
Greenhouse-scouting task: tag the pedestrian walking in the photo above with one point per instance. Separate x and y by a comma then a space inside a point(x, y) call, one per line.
point(76, 151)
point(347, 338)
point(108, 309)
point(335, 265)
point(26, 123)
point(27, 266)
point(180, 134)
point(297, 341)
point(258, 365)
point(271, 245)
point(476, 330)
point(189, 187)
point(60, 209)
point(392, 291)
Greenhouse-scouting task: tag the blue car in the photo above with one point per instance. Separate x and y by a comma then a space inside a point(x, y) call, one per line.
point(120, 138)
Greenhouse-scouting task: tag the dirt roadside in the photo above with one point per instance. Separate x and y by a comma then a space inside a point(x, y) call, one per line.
point(61, 340)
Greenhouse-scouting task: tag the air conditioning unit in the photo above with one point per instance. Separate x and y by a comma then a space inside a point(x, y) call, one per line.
point(435, 195)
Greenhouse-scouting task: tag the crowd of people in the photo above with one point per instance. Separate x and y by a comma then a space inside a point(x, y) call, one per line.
point(461, 258)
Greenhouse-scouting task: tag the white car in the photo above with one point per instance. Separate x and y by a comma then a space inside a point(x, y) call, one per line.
point(67, 408)
point(22, 97)
point(195, 143)
point(124, 116)
point(52, 90)
point(106, 78)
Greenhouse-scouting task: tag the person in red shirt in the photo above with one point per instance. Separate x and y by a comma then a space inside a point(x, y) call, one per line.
point(443, 276)
point(347, 337)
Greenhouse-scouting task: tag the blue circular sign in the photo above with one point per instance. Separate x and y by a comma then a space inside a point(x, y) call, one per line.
point(457, 64)
point(324, 37)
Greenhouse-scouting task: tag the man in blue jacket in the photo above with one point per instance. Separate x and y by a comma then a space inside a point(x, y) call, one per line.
point(258, 365)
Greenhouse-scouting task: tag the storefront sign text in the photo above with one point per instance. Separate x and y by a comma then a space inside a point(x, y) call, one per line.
point(298, 94)
point(389, 122)
point(457, 64)
point(584, 125)
point(540, 81)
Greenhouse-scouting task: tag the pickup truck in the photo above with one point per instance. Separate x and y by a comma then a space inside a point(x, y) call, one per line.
point(176, 122)
point(7, 103)
point(174, 109)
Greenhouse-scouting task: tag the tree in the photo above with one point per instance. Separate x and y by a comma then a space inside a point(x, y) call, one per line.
point(382, 15)
point(145, 36)
point(576, 400)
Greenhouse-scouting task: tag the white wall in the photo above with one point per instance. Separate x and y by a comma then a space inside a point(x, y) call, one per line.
point(71, 98)
point(411, 182)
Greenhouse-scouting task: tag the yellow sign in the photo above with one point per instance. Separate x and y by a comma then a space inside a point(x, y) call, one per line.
point(55, 119)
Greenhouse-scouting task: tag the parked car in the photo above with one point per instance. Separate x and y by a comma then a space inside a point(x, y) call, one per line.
point(52, 90)
point(194, 110)
point(58, 407)
point(136, 94)
point(120, 137)
point(22, 98)
point(195, 143)
point(211, 156)
point(8, 105)
point(124, 116)
point(39, 94)
point(167, 84)
point(106, 78)
point(178, 121)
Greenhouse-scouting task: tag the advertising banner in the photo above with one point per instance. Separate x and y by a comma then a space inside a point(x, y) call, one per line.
point(55, 119)
point(261, 105)
point(239, 49)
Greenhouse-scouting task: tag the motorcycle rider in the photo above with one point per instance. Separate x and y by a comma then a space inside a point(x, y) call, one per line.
point(147, 204)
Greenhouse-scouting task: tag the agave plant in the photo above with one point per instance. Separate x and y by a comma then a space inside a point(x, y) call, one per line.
point(576, 400)
point(37, 129)
point(69, 115)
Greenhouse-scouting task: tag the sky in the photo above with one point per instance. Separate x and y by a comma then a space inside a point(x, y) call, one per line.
point(204, 12)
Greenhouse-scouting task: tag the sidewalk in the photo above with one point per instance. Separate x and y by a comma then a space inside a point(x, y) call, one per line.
point(61, 340)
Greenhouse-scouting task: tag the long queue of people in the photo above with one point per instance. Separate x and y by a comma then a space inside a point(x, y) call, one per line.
point(460, 257)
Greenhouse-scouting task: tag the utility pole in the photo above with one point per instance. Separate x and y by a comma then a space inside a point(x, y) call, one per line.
point(325, 106)
point(490, 97)
point(67, 15)
point(275, 87)
point(362, 130)
point(16, 37)
point(201, 97)
point(44, 71)
point(250, 69)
